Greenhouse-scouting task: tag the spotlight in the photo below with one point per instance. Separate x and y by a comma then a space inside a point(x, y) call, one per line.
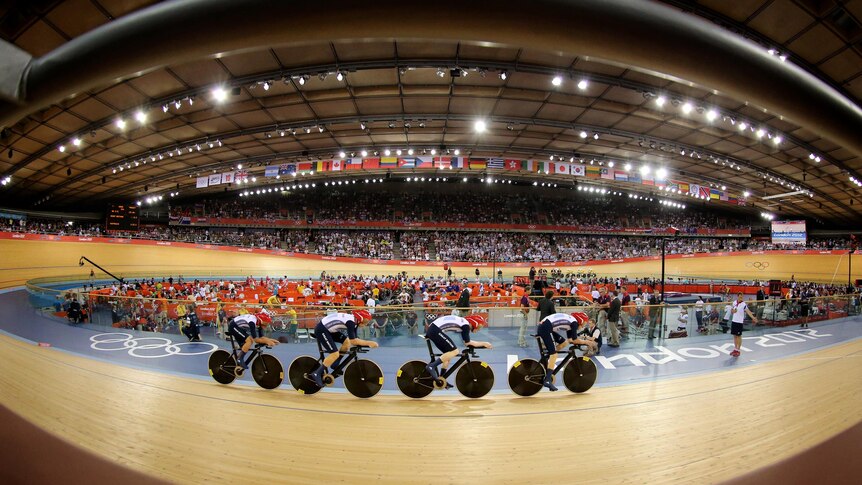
point(164, 108)
point(62, 148)
point(302, 79)
point(457, 152)
point(582, 84)
point(660, 101)
point(364, 153)
point(582, 134)
point(266, 85)
point(480, 126)
point(178, 104)
point(410, 151)
point(341, 154)
point(441, 72)
point(387, 152)
point(557, 80)
point(504, 75)
point(339, 76)
point(686, 108)
point(219, 95)
point(711, 115)
point(76, 142)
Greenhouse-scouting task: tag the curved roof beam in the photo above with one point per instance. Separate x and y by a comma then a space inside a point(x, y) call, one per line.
point(644, 34)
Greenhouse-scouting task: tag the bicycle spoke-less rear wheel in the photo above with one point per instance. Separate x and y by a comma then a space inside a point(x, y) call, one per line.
point(299, 374)
point(221, 365)
point(526, 376)
point(474, 379)
point(580, 374)
point(267, 371)
point(414, 380)
point(363, 378)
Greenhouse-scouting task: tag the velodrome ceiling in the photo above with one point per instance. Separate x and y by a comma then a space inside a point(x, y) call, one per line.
point(287, 103)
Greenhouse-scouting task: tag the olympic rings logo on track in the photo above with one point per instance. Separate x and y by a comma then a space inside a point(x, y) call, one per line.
point(757, 265)
point(109, 342)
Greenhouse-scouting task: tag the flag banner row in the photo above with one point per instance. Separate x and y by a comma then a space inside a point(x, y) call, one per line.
point(503, 165)
point(215, 179)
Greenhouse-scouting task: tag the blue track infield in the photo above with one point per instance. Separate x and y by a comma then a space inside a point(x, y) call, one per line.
point(634, 361)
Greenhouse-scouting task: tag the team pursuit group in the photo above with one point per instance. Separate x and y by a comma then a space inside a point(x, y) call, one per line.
point(339, 346)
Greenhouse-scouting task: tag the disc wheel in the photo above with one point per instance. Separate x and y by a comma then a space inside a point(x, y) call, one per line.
point(363, 378)
point(298, 373)
point(221, 365)
point(267, 371)
point(474, 379)
point(525, 377)
point(580, 374)
point(414, 380)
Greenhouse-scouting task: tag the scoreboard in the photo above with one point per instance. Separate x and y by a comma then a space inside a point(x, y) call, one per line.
point(122, 217)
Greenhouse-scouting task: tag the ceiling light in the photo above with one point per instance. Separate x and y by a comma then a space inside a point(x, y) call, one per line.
point(661, 173)
point(387, 152)
point(302, 79)
point(178, 104)
point(582, 84)
point(362, 125)
point(266, 85)
point(742, 126)
point(398, 152)
point(558, 80)
point(660, 101)
point(627, 167)
point(339, 76)
point(595, 136)
point(219, 94)
point(504, 75)
point(711, 115)
point(433, 151)
point(62, 148)
point(76, 142)
point(410, 151)
point(164, 108)
point(457, 152)
point(480, 126)
point(341, 154)
point(141, 116)
point(760, 133)
point(440, 72)
point(686, 108)
point(777, 140)
point(364, 153)
point(611, 164)
point(644, 169)
point(582, 134)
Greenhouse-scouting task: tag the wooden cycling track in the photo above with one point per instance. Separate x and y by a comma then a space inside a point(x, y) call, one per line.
point(706, 428)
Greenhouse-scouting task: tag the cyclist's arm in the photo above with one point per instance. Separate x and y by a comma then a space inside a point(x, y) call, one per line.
point(478, 344)
point(366, 343)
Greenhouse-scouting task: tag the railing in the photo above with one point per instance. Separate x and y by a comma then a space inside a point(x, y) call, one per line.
point(295, 322)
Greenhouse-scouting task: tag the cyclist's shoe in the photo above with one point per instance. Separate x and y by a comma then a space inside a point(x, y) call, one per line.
point(432, 369)
point(317, 376)
point(548, 382)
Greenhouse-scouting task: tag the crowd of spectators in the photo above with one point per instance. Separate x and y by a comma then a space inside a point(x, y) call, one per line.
point(340, 206)
point(427, 245)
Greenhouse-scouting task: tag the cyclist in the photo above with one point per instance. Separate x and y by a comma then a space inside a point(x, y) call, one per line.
point(451, 323)
point(548, 331)
point(329, 330)
point(244, 329)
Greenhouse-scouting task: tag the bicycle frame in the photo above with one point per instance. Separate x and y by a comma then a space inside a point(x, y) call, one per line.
point(570, 354)
point(342, 364)
point(462, 359)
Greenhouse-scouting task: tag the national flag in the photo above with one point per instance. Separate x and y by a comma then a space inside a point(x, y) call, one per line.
point(579, 170)
point(607, 173)
point(368, 163)
point(546, 167)
point(648, 179)
point(513, 164)
point(672, 185)
point(594, 171)
point(621, 175)
point(683, 187)
point(459, 162)
point(496, 163)
point(724, 196)
point(353, 164)
point(202, 182)
point(271, 171)
point(635, 177)
point(322, 165)
point(227, 178)
point(287, 169)
point(714, 194)
point(215, 179)
point(424, 162)
point(563, 168)
point(704, 192)
point(529, 166)
point(388, 162)
point(336, 165)
point(733, 200)
point(407, 162)
point(478, 164)
point(241, 176)
point(304, 167)
point(443, 162)
point(694, 189)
